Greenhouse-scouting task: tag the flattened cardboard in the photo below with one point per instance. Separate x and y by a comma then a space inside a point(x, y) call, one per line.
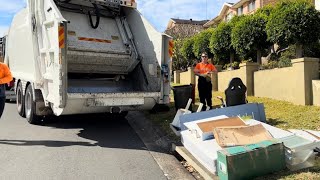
point(227, 122)
point(241, 135)
point(275, 132)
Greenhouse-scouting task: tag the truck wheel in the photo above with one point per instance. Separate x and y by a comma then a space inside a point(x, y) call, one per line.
point(123, 114)
point(30, 107)
point(20, 100)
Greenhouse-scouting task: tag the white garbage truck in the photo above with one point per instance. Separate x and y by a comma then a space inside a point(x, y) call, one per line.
point(10, 95)
point(86, 56)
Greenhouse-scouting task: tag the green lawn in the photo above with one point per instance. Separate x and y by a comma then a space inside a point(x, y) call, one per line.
point(281, 114)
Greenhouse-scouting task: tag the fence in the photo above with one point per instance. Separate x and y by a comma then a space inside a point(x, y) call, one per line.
point(297, 84)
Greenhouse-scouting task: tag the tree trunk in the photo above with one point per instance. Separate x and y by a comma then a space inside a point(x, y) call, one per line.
point(299, 50)
point(259, 57)
point(231, 58)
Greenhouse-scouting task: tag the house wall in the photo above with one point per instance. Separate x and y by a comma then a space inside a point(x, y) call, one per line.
point(317, 4)
point(316, 92)
point(245, 8)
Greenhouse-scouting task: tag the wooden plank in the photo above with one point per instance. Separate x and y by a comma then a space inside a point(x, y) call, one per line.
point(204, 172)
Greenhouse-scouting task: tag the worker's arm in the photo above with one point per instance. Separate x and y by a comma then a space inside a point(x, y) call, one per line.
point(196, 72)
point(7, 75)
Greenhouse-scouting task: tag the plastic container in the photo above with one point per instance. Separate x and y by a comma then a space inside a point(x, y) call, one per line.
point(181, 96)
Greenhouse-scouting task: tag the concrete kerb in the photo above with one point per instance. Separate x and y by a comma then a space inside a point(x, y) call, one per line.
point(159, 146)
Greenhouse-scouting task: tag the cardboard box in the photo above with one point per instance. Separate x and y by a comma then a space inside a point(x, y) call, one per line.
point(205, 130)
point(241, 135)
point(250, 161)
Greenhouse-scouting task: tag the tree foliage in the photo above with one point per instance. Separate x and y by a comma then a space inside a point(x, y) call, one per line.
point(201, 43)
point(187, 48)
point(220, 42)
point(294, 22)
point(249, 34)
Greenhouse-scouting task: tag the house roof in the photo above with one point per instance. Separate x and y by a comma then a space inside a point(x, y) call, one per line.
point(220, 15)
point(240, 3)
point(189, 21)
point(185, 21)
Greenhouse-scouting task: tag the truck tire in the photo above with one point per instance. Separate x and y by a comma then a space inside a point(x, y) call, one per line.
point(123, 114)
point(20, 100)
point(30, 107)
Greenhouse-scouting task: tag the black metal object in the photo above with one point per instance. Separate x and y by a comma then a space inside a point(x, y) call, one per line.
point(97, 12)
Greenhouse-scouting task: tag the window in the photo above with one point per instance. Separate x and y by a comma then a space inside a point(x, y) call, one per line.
point(252, 5)
point(240, 10)
point(229, 16)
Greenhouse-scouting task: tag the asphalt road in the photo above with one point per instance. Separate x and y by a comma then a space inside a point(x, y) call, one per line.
point(73, 147)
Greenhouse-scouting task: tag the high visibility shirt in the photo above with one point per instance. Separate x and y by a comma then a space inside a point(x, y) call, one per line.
point(205, 68)
point(5, 74)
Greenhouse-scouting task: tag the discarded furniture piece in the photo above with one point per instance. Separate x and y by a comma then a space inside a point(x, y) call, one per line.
point(235, 93)
point(252, 109)
point(300, 149)
point(260, 158)
point(247, 162)
point(187, 156)
point(204, 151)
point(308, 134)
point(175, 125)
point(241, 135)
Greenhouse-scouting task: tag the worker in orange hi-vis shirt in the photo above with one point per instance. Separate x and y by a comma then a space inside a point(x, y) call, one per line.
point(204, 69)
point(5, 77)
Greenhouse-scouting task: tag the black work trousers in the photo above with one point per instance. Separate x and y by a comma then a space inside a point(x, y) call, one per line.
point(2, 104)
point(205, 92)
point(2, 98)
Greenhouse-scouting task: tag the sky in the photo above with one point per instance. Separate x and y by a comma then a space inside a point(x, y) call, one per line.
point(157, 12)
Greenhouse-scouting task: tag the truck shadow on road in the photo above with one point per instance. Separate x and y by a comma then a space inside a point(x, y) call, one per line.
point(101, 129)
point(47, 143)
point(95, 129)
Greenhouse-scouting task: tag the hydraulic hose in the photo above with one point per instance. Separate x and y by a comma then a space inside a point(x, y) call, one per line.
point(64, 1)
point(97, 12)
